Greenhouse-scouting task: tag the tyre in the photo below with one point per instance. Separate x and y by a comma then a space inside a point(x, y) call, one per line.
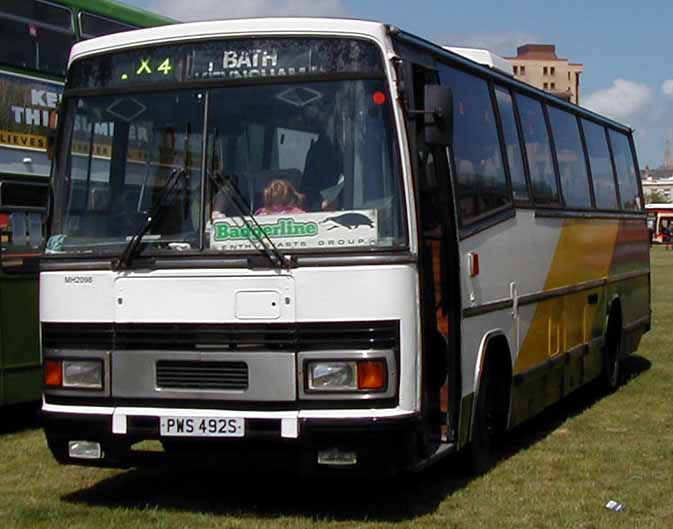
point(483, 450)
point(59, 450)
point(612, 355)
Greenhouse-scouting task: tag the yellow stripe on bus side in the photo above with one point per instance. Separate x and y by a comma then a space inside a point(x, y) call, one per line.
point(584, 253)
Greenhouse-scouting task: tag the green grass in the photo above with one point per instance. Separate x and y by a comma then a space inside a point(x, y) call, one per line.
point(560, 470)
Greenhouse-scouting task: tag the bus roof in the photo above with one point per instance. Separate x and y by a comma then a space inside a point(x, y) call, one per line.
point(117, 11)
point(246, 27)
point(231, 27)
point(485, 57)
point(660, 205)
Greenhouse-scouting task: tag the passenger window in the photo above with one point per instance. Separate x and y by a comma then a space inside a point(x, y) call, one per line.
point(23, 195)
point(512, 144)
point(38, 11)
point(95, 26)
point(43, 43)
point(570, 155)
point(538, 151)
point(481, 184)
point(626, 171)
point(601, 166)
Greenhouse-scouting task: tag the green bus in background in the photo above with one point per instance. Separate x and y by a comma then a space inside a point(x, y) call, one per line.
point(35, 41)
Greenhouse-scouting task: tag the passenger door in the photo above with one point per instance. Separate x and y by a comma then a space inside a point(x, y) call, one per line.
point(438, 272)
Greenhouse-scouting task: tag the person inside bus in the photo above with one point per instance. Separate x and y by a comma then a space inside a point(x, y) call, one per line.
point(280, 197)
point(323, 164)
point(667, 233)
point(181, 214)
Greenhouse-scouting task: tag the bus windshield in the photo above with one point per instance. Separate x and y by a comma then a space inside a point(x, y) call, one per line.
point(315, 162)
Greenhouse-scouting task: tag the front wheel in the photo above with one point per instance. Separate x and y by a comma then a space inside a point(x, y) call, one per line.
point(483, 449)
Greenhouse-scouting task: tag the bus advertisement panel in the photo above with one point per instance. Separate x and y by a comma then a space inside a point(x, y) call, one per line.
point(27, 118)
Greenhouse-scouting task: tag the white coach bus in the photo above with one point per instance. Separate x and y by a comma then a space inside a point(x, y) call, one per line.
point(327, 239)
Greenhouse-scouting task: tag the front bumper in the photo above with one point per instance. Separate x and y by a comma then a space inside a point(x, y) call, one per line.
point(384, 440)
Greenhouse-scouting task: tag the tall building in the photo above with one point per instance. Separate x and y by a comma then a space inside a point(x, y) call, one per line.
point(537, 64)
point(668, 160)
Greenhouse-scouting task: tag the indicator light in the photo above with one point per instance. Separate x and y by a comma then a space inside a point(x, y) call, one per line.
point(379, 98)
point(473, 264)
point(372, 374)
point(53, 373)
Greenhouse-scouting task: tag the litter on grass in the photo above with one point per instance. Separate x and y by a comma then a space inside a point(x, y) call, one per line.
point(615, 506)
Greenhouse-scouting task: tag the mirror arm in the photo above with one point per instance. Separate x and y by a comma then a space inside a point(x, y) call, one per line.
point(438, 114)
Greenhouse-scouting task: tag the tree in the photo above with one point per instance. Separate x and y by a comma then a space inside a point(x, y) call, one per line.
point(656, 197)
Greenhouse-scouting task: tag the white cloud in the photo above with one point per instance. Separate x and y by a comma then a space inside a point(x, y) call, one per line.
point(622, 101)
point(219, 9)
point(503, 43)
point(667, 88)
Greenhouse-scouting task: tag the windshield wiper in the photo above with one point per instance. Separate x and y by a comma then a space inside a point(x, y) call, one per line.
point(269, 249)
point(132, 248)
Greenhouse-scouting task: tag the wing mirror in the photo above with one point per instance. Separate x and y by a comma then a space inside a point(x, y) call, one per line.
point(438, 116)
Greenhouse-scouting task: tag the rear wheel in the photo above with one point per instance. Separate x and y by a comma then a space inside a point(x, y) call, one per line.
point(612, 354)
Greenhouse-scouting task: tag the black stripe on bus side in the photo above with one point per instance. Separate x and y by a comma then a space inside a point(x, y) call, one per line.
point(544, 295)
point(553, 379)
point(634, 325)
point(579, 351)
point(586, 214)
point(628, 275)
point(492, 306)
point(536, 297)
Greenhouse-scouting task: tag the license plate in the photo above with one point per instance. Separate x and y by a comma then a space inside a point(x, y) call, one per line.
point(202, 427)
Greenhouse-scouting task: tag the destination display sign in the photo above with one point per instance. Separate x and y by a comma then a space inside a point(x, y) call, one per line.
point(226, 60)
point(297, 231)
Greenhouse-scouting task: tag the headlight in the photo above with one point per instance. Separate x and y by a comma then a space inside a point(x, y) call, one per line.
point(332, 376)
point(359, 375)
point(86, 374)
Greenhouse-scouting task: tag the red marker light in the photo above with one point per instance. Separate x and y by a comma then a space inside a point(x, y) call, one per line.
point(379, 98)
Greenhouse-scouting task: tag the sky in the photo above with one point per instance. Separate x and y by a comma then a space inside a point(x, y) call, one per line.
point(626, 46)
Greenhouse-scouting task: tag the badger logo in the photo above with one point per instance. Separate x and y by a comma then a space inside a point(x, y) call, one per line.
point(348, 220)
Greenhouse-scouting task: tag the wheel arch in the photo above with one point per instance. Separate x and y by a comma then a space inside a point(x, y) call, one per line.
point(494, 348)
point(613, 309)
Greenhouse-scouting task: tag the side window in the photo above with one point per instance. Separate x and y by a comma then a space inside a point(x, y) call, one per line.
point(481, 184)
point(42, 43)
point(626, 171)
point(20, 195)
point(570, 155)
point(94, 26)
point(38, 11)
point(601, 166)
point(538, 151)
point(512, 144)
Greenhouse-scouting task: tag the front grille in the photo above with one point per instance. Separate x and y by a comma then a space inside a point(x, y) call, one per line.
point(202, 375)
point(233, 337)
